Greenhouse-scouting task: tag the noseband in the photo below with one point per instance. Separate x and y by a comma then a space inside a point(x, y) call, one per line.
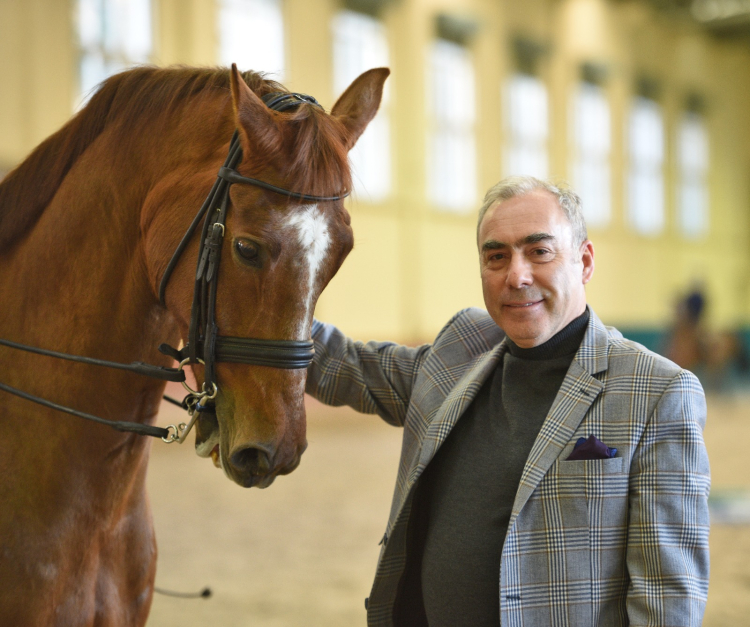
point(205, 345)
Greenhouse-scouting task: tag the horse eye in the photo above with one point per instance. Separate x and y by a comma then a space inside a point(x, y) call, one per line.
point(248, 251)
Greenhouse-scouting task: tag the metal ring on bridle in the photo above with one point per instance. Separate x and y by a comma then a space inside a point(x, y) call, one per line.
point(211, 396)
point(172, 435)
point(203, 394)
point(182, 364)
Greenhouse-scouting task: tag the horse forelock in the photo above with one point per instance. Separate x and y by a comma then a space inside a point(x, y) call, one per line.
point(312, 157)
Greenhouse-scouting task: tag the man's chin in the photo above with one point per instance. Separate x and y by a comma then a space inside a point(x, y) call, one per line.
point(525, 335)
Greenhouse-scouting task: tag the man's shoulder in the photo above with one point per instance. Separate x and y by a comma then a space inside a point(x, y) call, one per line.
point(605, 348)
point(473, 329)
point(624, 351)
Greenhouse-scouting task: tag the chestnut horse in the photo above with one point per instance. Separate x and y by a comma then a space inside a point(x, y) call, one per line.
point(88, 224)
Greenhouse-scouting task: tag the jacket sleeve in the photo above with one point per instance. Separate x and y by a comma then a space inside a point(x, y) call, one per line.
point(667, 555)
point(373, 378)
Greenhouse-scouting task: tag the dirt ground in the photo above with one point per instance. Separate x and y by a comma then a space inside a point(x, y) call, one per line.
point(302, 553)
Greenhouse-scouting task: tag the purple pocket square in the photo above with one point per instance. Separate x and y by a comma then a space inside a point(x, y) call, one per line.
point(591, 448)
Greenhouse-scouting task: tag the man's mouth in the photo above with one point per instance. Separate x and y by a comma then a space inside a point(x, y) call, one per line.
point(530, 303)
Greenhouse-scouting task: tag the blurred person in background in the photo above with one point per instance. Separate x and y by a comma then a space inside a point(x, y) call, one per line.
point(552, 472)
point(715, 356)
point(686, 341)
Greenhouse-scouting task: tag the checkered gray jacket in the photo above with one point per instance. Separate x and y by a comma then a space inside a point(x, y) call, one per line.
point(621, 541)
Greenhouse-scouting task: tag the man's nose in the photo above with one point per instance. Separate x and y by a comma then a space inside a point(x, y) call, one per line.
point(519, 272)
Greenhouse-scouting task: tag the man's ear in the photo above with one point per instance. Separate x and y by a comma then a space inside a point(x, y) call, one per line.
point(587, 258)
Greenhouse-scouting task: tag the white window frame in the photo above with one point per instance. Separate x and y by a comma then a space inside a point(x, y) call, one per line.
point(692, 180)
point(112, 36)
point(591, 146)
point(646, 206)
point(360, 43)
point(451, 147)
point(526, 113)
point(251, 33)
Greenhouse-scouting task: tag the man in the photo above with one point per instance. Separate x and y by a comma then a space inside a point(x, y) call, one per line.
point(556, 476)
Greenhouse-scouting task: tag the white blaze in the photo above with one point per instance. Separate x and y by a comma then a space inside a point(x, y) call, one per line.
point(313, 235)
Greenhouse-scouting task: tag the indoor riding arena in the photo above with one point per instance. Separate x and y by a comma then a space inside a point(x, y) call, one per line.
point(349, 195)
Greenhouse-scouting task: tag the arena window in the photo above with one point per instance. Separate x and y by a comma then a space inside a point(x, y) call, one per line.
point(251, 34)
point(360, 43)
point(112, 36)
point(526, 126)
point(692, 156)
point(452, 170)
point(646, 164)
point(591, 146)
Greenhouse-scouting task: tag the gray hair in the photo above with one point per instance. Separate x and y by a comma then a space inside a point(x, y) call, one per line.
point(515, 186)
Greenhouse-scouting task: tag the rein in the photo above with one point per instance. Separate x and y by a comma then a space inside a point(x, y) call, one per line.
point(205, 345)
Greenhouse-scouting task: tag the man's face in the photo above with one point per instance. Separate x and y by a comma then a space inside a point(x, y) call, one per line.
point(533, 275)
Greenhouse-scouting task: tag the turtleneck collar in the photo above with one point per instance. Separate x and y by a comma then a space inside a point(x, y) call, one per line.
point(564, 342)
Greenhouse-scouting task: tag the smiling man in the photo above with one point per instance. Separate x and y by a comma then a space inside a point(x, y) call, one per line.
point(552, 472)
point(535, 261)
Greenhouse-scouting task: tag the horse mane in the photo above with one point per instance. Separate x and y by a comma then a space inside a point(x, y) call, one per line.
point(319, 163)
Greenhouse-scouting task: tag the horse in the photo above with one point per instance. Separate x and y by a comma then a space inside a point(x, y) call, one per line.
point(89, 223)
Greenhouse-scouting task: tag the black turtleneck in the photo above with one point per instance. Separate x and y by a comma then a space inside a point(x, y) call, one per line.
point(465, 496)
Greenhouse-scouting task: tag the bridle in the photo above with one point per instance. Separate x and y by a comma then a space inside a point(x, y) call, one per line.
point(205, 345)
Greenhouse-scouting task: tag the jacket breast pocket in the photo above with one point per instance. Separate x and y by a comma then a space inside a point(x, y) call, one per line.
point(592, 484)
point(586, 492)
point(589, 466)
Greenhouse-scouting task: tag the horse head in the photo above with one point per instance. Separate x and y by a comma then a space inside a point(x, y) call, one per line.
point(277, 255)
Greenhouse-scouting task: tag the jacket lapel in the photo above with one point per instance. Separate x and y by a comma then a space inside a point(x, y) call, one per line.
point(577, 393)
point(457, 401)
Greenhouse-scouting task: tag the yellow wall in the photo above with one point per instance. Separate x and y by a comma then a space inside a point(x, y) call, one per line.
point(413, 266)
point(637, 278)
point(36, 80)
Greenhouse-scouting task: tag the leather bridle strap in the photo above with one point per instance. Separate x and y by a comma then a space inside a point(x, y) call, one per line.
point(219, 186)
point(126, 427)
point(138, 367)
point(232, 176)
point(291, 354)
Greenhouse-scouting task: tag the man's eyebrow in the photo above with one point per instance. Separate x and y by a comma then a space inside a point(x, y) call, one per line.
point(493, 244)
point(537, 237)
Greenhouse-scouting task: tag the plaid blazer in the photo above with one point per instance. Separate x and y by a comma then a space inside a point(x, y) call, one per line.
point(620, 541)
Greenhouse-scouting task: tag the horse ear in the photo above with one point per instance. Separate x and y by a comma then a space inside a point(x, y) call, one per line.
point(254, 120)
point(356, 107)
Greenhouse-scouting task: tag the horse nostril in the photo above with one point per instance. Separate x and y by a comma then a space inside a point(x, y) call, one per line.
point(251, 460)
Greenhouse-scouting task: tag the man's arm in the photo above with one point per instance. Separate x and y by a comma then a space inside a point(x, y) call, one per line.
point(667, 555)
point(374, 378)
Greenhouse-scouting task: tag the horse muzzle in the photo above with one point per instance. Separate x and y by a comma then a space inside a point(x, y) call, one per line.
point(247, 463)
point(255, 466)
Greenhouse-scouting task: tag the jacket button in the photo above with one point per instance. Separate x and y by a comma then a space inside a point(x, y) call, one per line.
point(367, 602)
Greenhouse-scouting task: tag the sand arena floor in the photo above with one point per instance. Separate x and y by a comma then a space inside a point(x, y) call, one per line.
point(302, 553)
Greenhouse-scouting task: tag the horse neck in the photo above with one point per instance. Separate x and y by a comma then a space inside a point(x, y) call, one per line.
point(79, 282)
